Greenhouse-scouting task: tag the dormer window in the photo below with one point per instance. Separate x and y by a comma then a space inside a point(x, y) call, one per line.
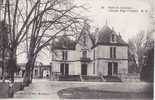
point(113, 38)
point(84, 54)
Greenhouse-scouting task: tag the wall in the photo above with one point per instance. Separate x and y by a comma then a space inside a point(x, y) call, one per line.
point(103, 51)
point(73, 61)
point(102, 58)
point(74, 68)
point(102, 66)
point(72, 55)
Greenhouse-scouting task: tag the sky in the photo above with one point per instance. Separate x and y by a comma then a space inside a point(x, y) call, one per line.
point(128, 23)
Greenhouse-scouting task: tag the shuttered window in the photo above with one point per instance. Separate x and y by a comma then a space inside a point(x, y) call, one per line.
point(112, 52)
point(64, 55)
point(115, 65)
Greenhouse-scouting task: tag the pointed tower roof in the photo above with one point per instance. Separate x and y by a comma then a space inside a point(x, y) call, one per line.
point(104, 33)
point(105, 36)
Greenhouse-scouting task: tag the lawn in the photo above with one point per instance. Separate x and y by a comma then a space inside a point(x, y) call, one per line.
point(87, 93)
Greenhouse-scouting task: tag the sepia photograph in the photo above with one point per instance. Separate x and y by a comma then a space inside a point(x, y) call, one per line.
point(77, 49)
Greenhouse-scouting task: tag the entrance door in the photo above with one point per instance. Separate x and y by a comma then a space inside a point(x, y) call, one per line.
point(110, 69)
point(84, 69)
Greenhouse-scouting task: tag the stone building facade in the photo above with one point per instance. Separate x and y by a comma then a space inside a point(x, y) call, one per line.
point(101, 53)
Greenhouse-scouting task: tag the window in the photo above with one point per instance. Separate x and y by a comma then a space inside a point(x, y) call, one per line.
point(84, 54)
point(112, 52)
point(113, 38)
point(115, 65)
point(64, 69)
point(112, 68)
point(64, 55)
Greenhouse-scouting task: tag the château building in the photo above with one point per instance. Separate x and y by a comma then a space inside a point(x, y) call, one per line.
point(103, 53)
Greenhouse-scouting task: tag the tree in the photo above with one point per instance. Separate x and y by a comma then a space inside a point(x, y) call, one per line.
point(136, 48)
point(17, 22)
point(25, 18)
point(43, 30)
point(143, 46)
point(147, 73)
point(3, 46)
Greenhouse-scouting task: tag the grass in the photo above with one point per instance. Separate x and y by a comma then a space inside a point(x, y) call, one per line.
point(86, 93)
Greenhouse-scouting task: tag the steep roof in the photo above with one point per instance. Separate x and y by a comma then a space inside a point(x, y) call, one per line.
point(104, 37)
point(64, 43)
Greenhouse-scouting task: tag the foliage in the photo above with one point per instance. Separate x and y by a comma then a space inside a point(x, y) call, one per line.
point(36, 23)
point(147, 73)
point(136, 48)
point(141, 48)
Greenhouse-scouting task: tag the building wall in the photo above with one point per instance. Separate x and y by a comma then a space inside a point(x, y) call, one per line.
point(72, 55)
point(90, 69)
point(55, 66)
point(41, 72)
point(74, 68)
point(99, 64)
point(123, 67)
point(103, 51)
point(102, 66)
point(102, 57)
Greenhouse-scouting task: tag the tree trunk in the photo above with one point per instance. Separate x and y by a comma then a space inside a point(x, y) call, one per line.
point(28, 73)
point(12, 68)
point(32, 72)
